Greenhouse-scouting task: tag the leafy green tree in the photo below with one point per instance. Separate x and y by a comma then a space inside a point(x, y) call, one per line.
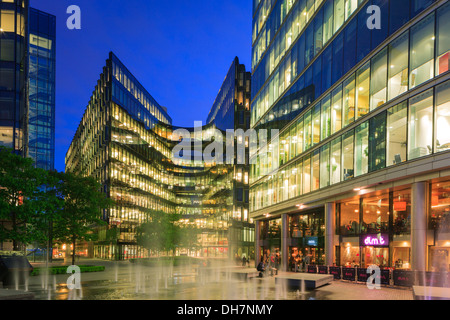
point(189, 236)
point(160, 233)
point(22, 199)
point(81, 211)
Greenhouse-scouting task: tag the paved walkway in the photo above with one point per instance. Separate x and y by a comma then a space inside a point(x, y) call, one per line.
point(126, 281)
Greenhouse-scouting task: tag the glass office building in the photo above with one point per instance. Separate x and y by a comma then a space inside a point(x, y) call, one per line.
point(41, 87)
point(13, 74)
point(363, 147)
point(127, 141)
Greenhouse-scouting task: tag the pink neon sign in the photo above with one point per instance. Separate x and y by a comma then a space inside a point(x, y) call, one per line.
point(375, 240)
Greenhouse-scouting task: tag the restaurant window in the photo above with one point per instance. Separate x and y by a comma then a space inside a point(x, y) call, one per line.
point(349, 101)
point(374, 256)
point(350, 255)
point(402, 212)
point(335, 162)
point(442, 126)
point(420, 134)
point(326, 117)
point(347, 158)
point(398, 66)
point(397, 118)
point(378, 80)
point(440, 222)
point(336, 110)
point(375, 214)
point(349, 213)
point(325, 166)
point(362, 90)
point(422, 51)
point(402, 257)
point(439, 260)
point(377, 142)
point(361, 149)
point(443, 40)
point(440, 207)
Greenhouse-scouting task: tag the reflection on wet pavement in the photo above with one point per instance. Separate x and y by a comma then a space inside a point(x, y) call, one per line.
point(133, 282)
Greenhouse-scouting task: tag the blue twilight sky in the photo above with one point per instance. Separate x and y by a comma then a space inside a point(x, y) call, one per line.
point(180, 51)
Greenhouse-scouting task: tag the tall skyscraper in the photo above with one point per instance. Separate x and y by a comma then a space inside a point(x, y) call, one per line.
point(358, 173)
point(13, 74)
point(41, 88)
point(27, 84)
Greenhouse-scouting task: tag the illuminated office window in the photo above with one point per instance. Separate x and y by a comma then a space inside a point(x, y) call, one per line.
point(325, 166)
point(422, 51)
point(362, 149)
point(397, 119)
point(442, 141)
point(420, 134)
point(347, 155)
point(349, 100)
point(362, 90)
point(398, 66)
point(443, 39)
point(335, 161)
point(378, 80)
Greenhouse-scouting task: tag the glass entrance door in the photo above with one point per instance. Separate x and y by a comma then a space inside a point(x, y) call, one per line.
point(375, 256)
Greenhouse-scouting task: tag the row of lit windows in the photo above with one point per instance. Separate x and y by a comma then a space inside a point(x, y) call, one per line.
point(300, 14)
point(8, 20)
point(124, 78)
point(410, 130)
point(261, 16)
point(354, 43)
point(319, 32)
point(404, 64)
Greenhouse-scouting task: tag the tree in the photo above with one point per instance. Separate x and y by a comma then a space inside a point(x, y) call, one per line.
point(160, 233)
point(82, 208)
point(22, 195)
point(189, 236)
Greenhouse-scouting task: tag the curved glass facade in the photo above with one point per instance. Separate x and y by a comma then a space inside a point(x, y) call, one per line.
point(127, 141)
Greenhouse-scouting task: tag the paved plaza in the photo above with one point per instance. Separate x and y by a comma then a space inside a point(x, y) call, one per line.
point(126, 281)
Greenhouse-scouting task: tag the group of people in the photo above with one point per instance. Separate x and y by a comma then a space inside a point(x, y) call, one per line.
point(298, 262)
point(269, 263)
